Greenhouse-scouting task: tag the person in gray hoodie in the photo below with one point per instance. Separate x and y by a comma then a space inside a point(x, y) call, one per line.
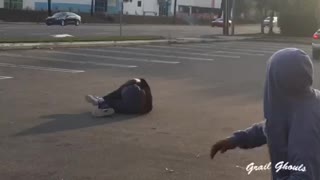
point(291, 128)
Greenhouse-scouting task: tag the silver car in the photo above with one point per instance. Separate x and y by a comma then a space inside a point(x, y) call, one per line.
point(316, 45)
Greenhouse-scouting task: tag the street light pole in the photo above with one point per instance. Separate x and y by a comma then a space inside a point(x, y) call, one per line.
point(226, 18)
point(175, 11)
point(121, 13)
point(233, 16)
point(49, 8)
point(92, 2)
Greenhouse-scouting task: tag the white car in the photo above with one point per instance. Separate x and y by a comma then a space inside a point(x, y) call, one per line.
point(266, 22)
point(316, 45)
point(219, 22)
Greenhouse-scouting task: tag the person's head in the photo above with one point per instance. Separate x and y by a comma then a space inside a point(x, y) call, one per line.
point(290, 72)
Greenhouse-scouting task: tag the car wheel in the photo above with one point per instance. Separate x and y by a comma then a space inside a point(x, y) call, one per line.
point(77, 23)
point(315, 54)
point(62, 23)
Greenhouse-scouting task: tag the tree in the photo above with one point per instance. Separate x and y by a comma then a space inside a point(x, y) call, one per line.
point(297, 18)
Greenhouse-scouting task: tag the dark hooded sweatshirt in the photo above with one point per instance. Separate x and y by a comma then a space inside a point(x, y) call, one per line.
point(292, 118)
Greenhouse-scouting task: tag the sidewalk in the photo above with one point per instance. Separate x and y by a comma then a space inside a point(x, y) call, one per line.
point(8, 46)
point(215, 38)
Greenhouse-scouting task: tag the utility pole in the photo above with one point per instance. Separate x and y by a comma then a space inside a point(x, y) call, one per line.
point(175, 11)
point(233, 16)
point(49, 8)
point(226, 18)
point(121, 14)
point(92, 5)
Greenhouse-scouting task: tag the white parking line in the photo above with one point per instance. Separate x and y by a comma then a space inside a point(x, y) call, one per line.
point(251, 46)
point(151, 55)
point(112, 58)
point(269, 45)
point(5, 77)
point(217, 47)
point(68, 61)
point(40, 68)
point(202, 50)
point(192, 51)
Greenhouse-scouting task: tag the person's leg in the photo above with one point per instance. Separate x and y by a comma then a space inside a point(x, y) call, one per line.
point(94, 100)
point(102, 101)
point(113, 95)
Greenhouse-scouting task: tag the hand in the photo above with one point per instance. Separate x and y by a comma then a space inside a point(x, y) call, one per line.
point(222, 146)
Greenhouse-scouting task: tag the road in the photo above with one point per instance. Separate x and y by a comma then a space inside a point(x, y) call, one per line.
point(202, 93)
point(33, 31)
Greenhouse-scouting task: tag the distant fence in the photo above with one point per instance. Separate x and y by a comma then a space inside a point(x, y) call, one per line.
point(40, 16)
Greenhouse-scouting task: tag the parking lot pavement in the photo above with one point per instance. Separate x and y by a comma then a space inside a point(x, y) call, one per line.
point(202, 92)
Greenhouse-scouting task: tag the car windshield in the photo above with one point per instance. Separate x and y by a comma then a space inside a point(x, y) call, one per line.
point(71, 14)
point(58, 15)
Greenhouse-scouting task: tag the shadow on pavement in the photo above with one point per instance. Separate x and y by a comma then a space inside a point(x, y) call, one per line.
point(66, 122)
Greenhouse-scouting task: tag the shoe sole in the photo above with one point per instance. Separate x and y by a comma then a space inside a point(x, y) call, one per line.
point(100, 113)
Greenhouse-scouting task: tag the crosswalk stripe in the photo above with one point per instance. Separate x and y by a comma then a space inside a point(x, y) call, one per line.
point(5, 77)
point(153, 55)
point(112, 58)
point(203, 51)
point(197, 53)
point(68, 61)
point(40, 68)
point(217, 47)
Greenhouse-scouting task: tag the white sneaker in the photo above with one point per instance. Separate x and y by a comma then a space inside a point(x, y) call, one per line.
point(94, 100)
point(103, 112)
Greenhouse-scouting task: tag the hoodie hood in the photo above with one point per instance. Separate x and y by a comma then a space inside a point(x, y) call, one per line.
point(289, 76)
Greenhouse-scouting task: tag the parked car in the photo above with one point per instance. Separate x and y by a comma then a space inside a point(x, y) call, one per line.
point(316, 45)
point(219, 22)
point(266, 21)
point(64, 18)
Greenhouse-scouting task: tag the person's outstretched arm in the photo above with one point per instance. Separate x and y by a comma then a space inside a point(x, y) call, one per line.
point(244, 139)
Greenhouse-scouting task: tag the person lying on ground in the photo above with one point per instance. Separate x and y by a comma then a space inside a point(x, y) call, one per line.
point(292, 119)
point(133, 97)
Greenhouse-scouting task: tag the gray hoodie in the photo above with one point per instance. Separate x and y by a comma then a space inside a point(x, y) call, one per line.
point(292, 118)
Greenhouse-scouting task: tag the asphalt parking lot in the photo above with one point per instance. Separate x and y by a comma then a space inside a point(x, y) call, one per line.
point(202, 92)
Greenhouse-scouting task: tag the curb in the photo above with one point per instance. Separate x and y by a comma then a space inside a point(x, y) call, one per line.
point(20, 46)
point(281, 40)
point(17, 46)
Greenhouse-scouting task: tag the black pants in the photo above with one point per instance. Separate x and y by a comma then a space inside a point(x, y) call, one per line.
point(125, 100)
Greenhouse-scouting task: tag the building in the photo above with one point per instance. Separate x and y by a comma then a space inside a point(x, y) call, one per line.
point(166, 7)
point(130, 7)
point(56, 5)
point(141, 7)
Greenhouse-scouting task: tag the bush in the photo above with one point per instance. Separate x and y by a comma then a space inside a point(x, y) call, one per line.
point(298, 18)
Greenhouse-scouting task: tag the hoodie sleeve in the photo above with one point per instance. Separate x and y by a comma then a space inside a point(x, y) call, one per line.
point(251, 137)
